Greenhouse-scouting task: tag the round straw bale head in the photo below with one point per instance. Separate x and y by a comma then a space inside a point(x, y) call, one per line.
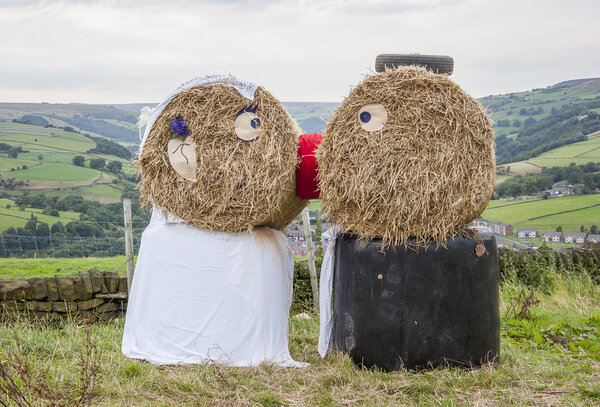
point(408, 154)
point(236, 184)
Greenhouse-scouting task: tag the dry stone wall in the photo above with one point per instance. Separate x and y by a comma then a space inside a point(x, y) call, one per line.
point(90, 295)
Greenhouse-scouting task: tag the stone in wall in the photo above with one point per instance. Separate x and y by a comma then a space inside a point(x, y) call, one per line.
point(14, 289)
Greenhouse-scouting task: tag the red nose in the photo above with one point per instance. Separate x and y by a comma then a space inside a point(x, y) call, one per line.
point(307, 185)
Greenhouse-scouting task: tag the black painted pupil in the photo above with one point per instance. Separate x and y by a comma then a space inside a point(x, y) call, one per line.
point(255, 123)
point(365, 117)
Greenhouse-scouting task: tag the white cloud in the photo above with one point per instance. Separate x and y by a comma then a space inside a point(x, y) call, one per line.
point(303, 50)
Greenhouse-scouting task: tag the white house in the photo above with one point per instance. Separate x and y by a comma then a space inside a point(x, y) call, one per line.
point(574, 237)
point(551, 236)
point(527, 232)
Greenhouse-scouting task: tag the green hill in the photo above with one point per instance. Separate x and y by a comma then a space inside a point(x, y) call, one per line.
point(537, 104)
point(44, 163)
point(100, 120)
point(119, 122)
point(569, 212)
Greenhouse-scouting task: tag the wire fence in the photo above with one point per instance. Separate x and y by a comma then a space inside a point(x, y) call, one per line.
point(42, 251)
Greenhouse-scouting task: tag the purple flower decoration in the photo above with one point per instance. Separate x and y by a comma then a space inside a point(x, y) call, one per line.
point(179, 128)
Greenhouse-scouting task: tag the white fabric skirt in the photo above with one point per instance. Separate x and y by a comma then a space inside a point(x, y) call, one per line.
point(217, 297)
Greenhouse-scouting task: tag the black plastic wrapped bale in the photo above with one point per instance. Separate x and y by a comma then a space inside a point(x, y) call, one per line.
point(417, 309)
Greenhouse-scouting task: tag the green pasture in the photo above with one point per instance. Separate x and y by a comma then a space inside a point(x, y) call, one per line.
point(522, 168)
point(14, 217)
point(56, 172)
point(518, 212)
point(48, 267)
point(314, 205)
point(579, 153)
point(6, 163)
point(305, 110)
point(48, 139)
point(104, 193)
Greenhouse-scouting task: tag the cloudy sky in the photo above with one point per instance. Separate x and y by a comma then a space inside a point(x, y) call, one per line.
point(120, 51)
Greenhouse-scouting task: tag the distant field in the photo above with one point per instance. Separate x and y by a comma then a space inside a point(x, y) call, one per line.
point(508, 106)
point(304, 110)
point(49, 162)
point(579, 153)
point(518, 213)
point(48, 139)
point(48, 267)
point(101, 193)
point(6, 164)
point(523, 167)
point(56, 171)
point(14, 217)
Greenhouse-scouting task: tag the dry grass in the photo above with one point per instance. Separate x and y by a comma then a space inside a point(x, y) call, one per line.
point(425, 175)
point(239, 185)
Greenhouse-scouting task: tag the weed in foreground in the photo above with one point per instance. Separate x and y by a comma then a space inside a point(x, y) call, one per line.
point(20, 385)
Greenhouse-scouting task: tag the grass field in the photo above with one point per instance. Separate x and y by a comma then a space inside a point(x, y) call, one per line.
point(551, 358)
point(48, 267)
point(579, 153)
point(14, 217)
point(56, 171)
point(49, 162)
point(519, 212)
point(522, 168)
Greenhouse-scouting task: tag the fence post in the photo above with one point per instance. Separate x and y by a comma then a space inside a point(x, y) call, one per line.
point(128, 240)
point(311, 259)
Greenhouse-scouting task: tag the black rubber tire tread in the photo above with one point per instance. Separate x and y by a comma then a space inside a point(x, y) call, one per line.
point(436, 63)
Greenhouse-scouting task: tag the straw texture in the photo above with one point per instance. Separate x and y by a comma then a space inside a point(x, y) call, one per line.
point(239, 185)
point(428, 172)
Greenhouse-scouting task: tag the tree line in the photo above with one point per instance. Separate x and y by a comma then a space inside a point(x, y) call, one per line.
point(98, 232)
point(570, 124)
point(587, 175)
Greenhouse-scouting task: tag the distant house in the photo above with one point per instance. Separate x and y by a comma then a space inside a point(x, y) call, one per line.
point(574, 237)
point(593, 238)
point(527, 232)
point(499, 228)
point(551, 236)
point(562, 189)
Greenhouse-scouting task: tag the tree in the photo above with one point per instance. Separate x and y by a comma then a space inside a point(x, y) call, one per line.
point(13, 153)
point(513, 190)
point(559, 228)
point(516, 123)
point(594, 229)
point(57, 228)
point(530, 186)
point(97, 163)
point(79, 160)
point(31, 226)
point(40, 157)
point(582, 228)
point(115, 167)
point(43, 229)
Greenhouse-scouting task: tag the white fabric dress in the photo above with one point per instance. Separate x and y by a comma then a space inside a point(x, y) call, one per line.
point(217, 297)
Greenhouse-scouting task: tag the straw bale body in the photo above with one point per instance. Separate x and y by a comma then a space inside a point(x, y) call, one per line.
point(238, 184)
point(425, 174)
